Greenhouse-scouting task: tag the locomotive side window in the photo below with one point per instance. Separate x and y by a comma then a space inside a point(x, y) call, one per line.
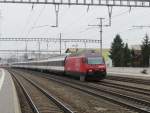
point(84, 60)
point(56, 63)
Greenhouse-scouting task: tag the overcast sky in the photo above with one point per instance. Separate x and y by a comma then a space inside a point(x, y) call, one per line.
point(18, 20)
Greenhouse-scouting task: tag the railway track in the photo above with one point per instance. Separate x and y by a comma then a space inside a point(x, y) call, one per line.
point(133, 103)
point(128, 79)
point(26, 105)
point(125, 87)
point(40, 100)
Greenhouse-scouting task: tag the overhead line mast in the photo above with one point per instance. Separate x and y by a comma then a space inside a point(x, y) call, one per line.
point(101, 25)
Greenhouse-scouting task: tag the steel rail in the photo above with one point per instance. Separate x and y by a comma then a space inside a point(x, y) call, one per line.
point(50, 96)
point(110, 92)
point(128, 79)
point(93, 91)
point(109, 98)
point(33, 106)
point(125, 87)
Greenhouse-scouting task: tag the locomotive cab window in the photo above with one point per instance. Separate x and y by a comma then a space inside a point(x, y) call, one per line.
point(95, 60)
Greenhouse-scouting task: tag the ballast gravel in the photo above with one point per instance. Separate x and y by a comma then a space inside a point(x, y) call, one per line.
point(79, 101)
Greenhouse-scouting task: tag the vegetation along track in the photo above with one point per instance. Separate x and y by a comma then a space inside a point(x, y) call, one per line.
point(40, 100)
point(121, 98)
point(128, 79)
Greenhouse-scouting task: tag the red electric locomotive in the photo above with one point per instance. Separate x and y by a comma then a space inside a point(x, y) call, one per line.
point(89, 65)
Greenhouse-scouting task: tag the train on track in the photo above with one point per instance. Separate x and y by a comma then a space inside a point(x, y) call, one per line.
point(87, 65)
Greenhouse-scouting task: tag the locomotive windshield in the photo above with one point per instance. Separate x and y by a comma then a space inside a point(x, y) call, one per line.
point(95, 60)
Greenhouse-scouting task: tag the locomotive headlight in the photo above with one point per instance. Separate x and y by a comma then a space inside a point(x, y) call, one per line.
point(101, 66)
point(90, 70)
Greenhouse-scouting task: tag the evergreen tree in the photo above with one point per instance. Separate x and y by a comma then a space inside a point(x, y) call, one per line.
point(127, 56)
point(145, 51)
point(116, 52)
point(133, 58)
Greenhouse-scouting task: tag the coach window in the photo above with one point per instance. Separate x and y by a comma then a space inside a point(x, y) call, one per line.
point(49, 63)
point(45, 63)
point(42, 63)
point(56, 63)
point(62, 63)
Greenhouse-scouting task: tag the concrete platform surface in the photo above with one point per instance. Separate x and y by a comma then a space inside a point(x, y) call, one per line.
point(9, 102)
point(129, 72)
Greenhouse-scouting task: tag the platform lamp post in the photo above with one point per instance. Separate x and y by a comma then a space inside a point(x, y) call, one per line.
point(47, 44)
point(149, 61)
point(60, 43)
point(85, 44)
point(17, 56)
point(65, 43)
point(39, 48)
point(26, 50)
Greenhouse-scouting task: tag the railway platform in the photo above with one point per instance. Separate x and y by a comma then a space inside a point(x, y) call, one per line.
point(9, 102)
point(129, 72)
